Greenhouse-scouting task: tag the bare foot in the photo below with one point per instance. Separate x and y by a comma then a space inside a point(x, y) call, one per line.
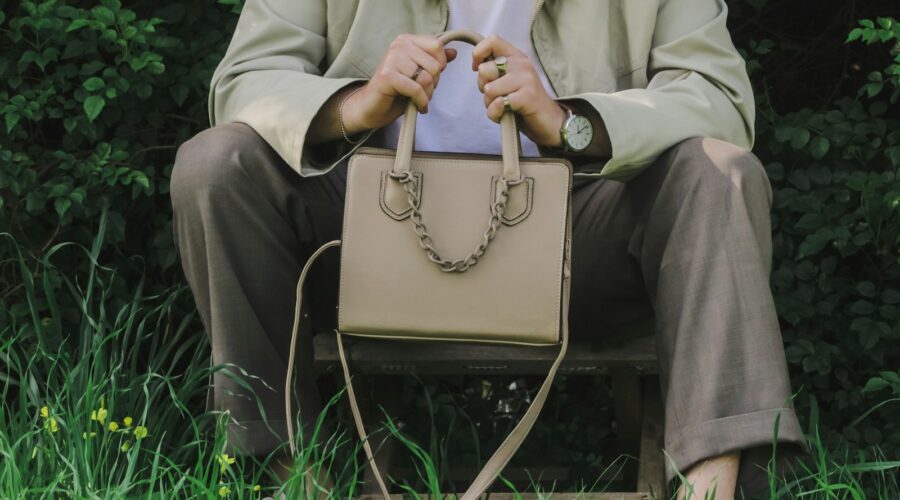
point(714, 478)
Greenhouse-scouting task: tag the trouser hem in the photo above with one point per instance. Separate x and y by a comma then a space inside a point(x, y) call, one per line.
point(692, 444)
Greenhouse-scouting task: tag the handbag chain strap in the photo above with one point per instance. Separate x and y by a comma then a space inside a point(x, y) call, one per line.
point(498, 208)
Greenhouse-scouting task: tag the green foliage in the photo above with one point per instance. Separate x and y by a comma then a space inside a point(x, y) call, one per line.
point(94, 100)
point(836, 223)
point(887, 30)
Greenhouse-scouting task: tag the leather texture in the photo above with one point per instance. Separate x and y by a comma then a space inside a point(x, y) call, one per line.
point(656, 71)
point(389, 288)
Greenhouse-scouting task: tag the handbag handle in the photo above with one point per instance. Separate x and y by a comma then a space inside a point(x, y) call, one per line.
point(509, 134)
point(512, 174)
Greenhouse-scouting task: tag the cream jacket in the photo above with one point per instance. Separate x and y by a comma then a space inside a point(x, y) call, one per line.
point(657, 71)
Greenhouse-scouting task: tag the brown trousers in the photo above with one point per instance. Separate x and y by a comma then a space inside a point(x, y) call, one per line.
point(687, 241)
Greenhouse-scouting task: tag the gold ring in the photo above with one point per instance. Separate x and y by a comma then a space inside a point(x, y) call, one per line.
point(507, 107)
point(417, 73)
point(500, 61)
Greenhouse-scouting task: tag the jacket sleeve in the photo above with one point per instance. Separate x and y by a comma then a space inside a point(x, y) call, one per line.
point(271, 79)
point(698, 86)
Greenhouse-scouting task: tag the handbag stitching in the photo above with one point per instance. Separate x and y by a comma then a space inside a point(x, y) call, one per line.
point(529, 200)
point(383, 195)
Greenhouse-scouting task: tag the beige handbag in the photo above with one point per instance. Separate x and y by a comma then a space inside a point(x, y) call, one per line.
point(406, 212)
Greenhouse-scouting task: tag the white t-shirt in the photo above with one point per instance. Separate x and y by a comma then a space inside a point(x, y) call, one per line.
point(457, 104)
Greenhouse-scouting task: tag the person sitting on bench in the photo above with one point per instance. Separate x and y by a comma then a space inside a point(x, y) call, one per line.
point(651, 102)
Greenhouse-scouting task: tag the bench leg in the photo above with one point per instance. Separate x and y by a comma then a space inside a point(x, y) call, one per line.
point(651, 470)
point(626, 389)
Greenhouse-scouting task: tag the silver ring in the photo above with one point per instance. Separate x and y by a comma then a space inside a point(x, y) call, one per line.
point(500, 62)
point(507, 107)
point(417, 73)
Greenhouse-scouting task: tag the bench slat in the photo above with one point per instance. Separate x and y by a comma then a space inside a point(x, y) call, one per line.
point(379, 356)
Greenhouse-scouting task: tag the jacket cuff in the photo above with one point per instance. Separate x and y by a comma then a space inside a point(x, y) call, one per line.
point(310, 161)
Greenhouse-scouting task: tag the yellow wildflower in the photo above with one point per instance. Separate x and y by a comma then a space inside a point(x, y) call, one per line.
point(113, 426)
point(257, 488)
point(33, 452)
point(45, 412)
point(51, 424)
point(99, 415)
point(224, 461)
point(224, 491)
point(140, 432)
point(125, 446)
point(127, 421)
point(84, 435)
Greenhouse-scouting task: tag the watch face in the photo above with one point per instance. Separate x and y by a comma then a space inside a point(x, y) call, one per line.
point(579, 133)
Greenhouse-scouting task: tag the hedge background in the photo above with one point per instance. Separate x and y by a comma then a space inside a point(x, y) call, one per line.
point(96, 96)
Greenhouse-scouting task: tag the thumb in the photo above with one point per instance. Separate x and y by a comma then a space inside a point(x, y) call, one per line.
point(451, 54)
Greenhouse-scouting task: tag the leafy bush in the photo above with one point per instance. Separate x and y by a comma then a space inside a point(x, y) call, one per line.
point(836, 217)
point(95, 97)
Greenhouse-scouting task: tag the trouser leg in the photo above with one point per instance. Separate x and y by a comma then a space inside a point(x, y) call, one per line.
point(689, 239)
point(244, 223)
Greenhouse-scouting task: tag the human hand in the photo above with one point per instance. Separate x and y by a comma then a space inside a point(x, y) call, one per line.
point(541, 116)
point(384, 97)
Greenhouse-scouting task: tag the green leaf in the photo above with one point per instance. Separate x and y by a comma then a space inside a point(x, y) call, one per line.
point(875, 384)
point(873, 89)
point(799, 180)
point(819, 147)
point(866, 288)
point(862, 307)
point(94, 84)
point(11, 120)
point(156, 68)
point(62, 205)
point(783, 134)
point(810, 222)
point(59, 190)
point(34, 202)
point(93, 105)
point(179, 93)
point(142, 179)
point(78, 24)
point(815, 242)
point(868, 338)
point(104, 15)
point(91, 67)
point(776, 171)
point(890, 296)
point(70, 123)
point(799, 138)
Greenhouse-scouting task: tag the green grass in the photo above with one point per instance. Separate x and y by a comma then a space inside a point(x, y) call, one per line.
point(75, 358)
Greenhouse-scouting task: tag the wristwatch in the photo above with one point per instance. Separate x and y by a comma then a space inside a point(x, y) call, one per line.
point(576, 133)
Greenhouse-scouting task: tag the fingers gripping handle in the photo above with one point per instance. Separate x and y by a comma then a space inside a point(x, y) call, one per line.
point(509, 134)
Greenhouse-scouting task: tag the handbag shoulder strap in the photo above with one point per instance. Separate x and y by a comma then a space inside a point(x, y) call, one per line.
point(295, 333)
point(507, 448)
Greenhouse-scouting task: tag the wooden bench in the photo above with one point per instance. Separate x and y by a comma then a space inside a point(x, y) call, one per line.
point(631, 363)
